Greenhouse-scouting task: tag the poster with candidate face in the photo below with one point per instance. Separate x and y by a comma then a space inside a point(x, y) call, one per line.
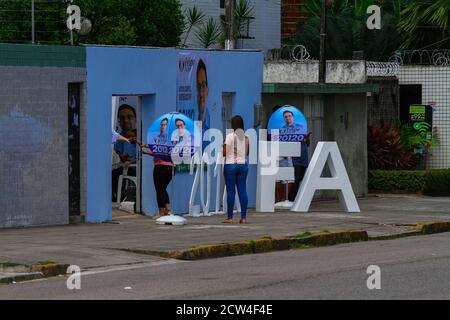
point(287, 124)
point(173, 137)
point(193, 87)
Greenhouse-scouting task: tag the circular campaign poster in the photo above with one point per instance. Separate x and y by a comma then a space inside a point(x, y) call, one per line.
point(287, 124)
point(173, 137)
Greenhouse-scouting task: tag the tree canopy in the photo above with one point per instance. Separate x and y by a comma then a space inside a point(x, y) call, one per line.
point(424, 23)
point(405, 24)
point(130, 22)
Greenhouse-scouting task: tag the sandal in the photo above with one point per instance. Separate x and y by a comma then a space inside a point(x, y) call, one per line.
point(228, 221)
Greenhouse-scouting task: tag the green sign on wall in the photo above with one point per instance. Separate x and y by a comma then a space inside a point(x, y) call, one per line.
point(421, 119)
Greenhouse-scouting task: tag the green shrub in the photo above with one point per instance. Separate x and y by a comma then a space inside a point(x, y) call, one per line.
point(438, 183)
point(429, 182)
point(397, 180)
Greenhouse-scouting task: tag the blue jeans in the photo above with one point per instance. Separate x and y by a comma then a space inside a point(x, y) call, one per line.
point(236, 175)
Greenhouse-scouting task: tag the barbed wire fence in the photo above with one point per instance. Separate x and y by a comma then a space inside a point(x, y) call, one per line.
point(297, 53)
point(437, 57)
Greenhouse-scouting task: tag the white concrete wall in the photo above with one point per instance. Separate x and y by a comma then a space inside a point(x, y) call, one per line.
point(342, 72)
point(265, 28)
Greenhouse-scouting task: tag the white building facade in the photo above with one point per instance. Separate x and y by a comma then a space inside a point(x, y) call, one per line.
point(263, 32)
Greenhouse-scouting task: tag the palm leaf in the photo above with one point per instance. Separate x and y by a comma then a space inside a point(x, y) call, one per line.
point(210, 33)
point(425, 22)
point(194, 17)
point(243, 12)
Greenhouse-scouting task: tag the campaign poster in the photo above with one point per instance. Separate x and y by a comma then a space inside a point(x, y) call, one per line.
point(171, 137)
point(192, 87)
point(287, 124)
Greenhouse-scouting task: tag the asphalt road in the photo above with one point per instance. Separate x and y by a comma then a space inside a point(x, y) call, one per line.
point(411, 268)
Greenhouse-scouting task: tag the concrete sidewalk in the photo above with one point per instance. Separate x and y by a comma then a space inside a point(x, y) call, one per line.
point(96, 245)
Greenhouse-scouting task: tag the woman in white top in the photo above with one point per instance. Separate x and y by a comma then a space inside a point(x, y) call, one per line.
point(235, 151)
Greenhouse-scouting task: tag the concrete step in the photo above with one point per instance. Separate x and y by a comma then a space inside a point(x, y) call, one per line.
point(7, 277)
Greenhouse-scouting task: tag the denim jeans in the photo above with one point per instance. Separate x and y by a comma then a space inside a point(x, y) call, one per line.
point(236, 175)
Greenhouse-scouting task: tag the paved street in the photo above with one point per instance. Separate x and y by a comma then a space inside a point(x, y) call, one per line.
point(91, 246)
point(414, 267)
point(411, 268)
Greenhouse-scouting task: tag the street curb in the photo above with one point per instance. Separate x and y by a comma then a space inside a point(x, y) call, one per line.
point(330, 238)
point(21, 277)
point(396, 236)
point(268, 244)
point(50, 270)
point(434, 227)
point(19, 273)
point(262, 245)
point(232, 249)
point(7, 267)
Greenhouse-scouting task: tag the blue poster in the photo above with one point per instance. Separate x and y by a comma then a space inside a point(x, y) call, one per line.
point(192, 87)
point(173, 136)
point(287, 124)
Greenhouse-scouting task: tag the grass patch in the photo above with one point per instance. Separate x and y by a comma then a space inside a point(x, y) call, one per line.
point(304, 234)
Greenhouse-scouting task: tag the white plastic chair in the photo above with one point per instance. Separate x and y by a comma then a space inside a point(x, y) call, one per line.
point(125, 176)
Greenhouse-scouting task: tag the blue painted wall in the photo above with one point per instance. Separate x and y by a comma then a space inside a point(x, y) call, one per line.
point(152, 73)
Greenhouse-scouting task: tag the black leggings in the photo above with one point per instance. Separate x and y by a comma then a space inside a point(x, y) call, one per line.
point(162, 175)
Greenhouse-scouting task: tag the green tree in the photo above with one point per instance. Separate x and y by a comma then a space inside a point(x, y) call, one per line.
point(426, 22)
point(15, 21)
point(347, 30)
point(130, 22)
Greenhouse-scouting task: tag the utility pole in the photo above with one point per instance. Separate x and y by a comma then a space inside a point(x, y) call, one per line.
point(32, 22)
point(322, 58)
point(229, 20)
point(323, 41)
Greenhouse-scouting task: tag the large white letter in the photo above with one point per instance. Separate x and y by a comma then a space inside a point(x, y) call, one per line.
point(269, 172)
point(326, 152)
point(215, 137)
